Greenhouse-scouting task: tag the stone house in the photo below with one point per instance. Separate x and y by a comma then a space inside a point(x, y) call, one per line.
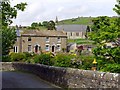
point(40, 40)
point(73, 31)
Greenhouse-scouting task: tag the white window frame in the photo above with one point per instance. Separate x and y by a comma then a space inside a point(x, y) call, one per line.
point(15, 49)
point(47, 49)
point(47, 39)
point(59, 49)
point(30, 47)
point(59, 40)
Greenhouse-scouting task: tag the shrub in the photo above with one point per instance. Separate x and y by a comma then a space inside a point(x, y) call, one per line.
point(6, 58)
point(114, 68)
point(63, 60)
point(86, 62)
point(27, 54)
point(76, 63)
point(43, 59)
point(17, 56)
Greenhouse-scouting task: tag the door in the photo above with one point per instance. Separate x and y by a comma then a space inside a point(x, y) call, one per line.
point(53, 48)
point(36, 49)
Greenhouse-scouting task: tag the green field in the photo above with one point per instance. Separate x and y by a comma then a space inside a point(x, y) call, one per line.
point(79, 20)
point(80, 41)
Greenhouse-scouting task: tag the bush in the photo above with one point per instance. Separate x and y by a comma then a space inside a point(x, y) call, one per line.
point(27, 54)
point(6, 58)
point(17, 56)
point(86, 62)
point(63, 60)
point(114, 68)
point(43, 59)
point(76, 63)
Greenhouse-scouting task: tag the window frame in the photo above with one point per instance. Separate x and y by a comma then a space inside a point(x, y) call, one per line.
point(59, 40)
point(47, 39)
point(59, 49)
point(29, 48)
point(47, 48)
point(29, 39)
point(15, 49)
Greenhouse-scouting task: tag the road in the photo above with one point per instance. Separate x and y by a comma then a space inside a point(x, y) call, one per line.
point(23, 80)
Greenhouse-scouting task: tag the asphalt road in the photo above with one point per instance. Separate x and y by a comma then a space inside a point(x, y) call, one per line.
point(23, 80)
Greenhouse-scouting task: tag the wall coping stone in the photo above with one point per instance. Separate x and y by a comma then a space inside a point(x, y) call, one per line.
point(67, 77)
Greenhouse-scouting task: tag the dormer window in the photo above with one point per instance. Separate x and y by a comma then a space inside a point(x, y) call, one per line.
point(47, 39)
point(29, 38)
point(59, 39)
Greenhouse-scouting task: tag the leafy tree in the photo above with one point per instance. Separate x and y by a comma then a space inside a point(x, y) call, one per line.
point(39, 24)
point(9, 12)
point(9, 34)
point(34, 25)
point(117, 7)
point(117, 10)
point(45, 23)
point(51, 25)
point(105, 30)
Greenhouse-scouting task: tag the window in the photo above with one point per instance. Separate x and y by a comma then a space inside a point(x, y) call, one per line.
point(108, 46)
point(71, 33)
point(77, 34)
point(58, 39)
point(47, 47)
point(29, 38)
point(15, 49)
point(29, 48)
point(47, 39)
point(58, 47)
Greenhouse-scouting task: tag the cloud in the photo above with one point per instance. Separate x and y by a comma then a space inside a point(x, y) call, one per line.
point(41, 10)
point(60, 9)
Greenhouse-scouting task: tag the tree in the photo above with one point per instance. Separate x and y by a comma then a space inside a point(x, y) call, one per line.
point(45, 23)
point(117, 10)
point(51, 25)
point(117, 7)
point(9, 12)
point(9, 34)
point(105, 30)
point(39, 24)
point(87, 30)
point(34, 25)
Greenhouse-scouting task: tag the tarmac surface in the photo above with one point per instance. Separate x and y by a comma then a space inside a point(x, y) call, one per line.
point(23, 80)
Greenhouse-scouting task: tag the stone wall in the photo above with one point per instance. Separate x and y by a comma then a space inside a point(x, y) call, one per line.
point(68, 77)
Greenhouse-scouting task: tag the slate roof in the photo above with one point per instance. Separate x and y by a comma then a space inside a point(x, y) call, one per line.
point(72, 28)
point(43, 33)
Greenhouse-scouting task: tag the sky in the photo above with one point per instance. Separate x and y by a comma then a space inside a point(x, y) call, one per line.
point(46, 10)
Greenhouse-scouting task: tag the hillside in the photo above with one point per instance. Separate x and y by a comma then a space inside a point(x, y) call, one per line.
point(79, 20)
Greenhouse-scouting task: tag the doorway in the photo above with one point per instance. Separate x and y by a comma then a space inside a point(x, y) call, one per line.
point(36, 49)
point(53, 48)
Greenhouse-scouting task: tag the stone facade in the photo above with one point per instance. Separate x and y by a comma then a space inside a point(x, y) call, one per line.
point(36, 41)
point(73, 31)
point(69, 77)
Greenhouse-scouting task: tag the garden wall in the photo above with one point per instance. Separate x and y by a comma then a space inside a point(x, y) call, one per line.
point(68, 77)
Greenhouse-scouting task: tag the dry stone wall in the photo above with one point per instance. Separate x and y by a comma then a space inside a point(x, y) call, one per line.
point(68, 77)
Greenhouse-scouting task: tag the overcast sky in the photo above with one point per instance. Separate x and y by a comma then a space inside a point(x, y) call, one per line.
point(45, 10)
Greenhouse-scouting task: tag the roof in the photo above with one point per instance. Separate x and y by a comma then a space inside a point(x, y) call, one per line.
point(72, 28)
point(43, 33)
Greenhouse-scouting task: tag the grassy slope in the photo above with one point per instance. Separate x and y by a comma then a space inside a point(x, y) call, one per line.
point(79, 20)
point(80, 41)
